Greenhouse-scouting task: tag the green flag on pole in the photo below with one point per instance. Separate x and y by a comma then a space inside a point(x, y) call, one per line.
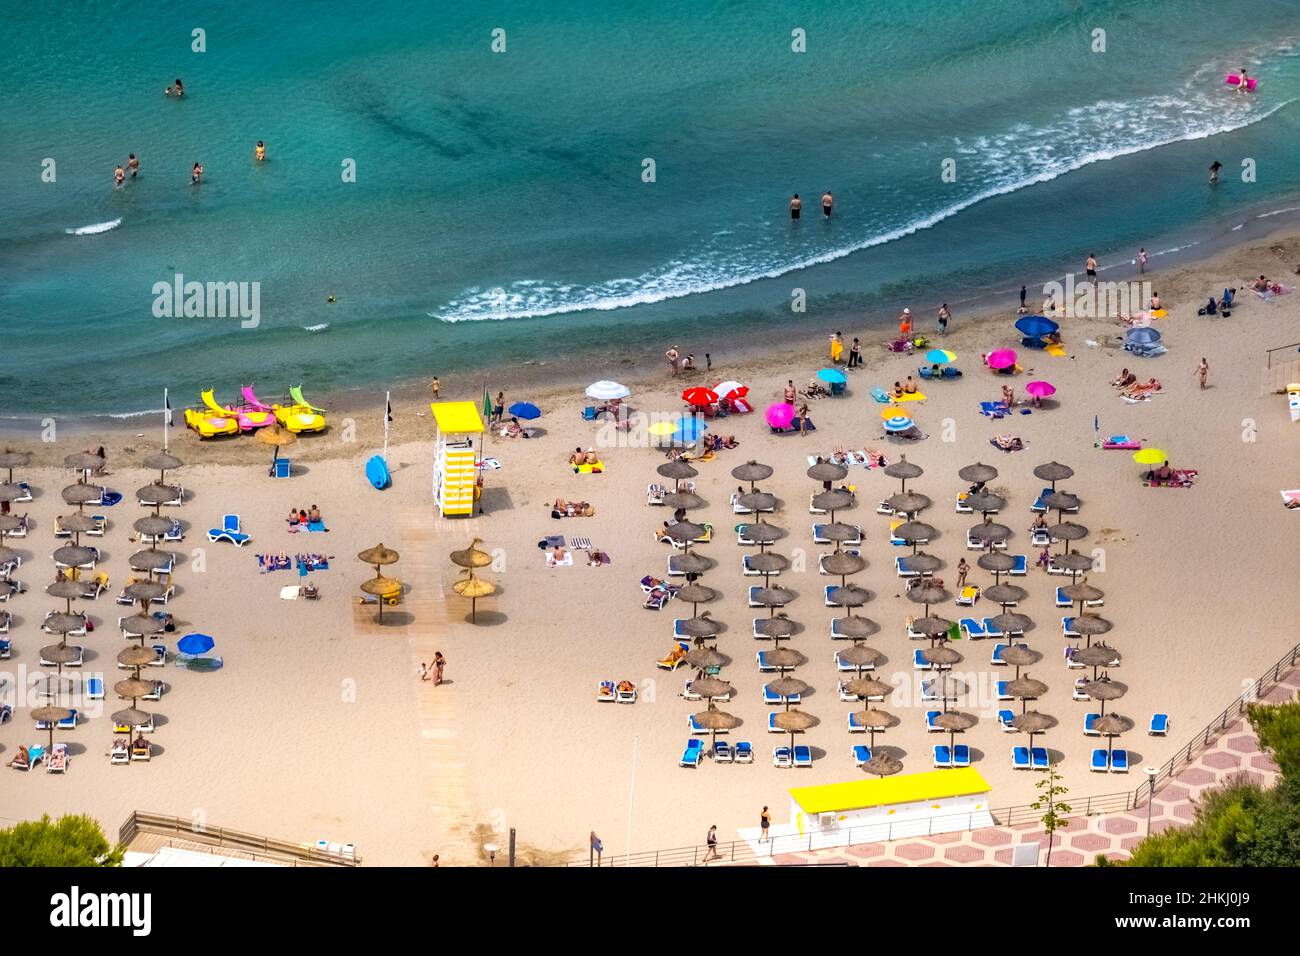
point(487, 404)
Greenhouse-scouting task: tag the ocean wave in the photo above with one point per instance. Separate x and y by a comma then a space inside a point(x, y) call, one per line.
point(320, 327)
point(94, 229)
point(1029, 156)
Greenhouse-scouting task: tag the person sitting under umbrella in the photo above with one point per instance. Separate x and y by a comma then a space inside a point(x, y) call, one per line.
point(816, 389)
point(515, 430)
point(1161, 474)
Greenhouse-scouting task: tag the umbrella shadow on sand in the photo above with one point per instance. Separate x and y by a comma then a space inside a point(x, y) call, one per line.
point(494, 498)
point(485, 619)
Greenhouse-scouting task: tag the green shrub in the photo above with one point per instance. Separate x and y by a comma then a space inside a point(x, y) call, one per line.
point(74, 840)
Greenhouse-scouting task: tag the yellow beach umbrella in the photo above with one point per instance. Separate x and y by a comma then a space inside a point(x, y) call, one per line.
point(473, 588)
point(662, 429)
point(1150, 456)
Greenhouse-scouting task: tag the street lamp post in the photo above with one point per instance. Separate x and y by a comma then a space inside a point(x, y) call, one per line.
point(491, 850)
point(1151, 773)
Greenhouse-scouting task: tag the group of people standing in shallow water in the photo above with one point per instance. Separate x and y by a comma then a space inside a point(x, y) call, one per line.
point(796, 205)
point(132, 165)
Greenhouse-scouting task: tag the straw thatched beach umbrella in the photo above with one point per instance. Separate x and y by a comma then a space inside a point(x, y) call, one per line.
point(1019, 657)
point(11, 492)
point(74, 555)
point(915, 532)
point(753, 500)
point(868, 687)
point(8, 554)
point(151, 560)
point(132, 689)
point(989, 533)
point(1005, 594)
point(1053, 471)
point(996, 561)
point(932, 627)
point(927, 594)
point(985, 502)
point(78, 494)
point(775, 627)
point(714, 720)
point(763, 534)
point(855, 628)
point(684, 532)
point(10, 460)
point(860, 656)
point(941, 656)
point(144, 592)
point(921, 563)
point(978, 473)
point(843, 564)
point(59, 654)
point(794, 721)
point(1067, 531)
point(162, 462)
point(702, 658)
point(771, 598)
point(1105, 689)
point(874, 721)
point(66, 589)
point(685, 500)
point(1074, 562)
point(9, 523)
point(785, 658)
point(827, 471)
point(1032, 722)
point(1111, 726)
point(752, 471)
point(903, 470)
point(137, 657)
point(692, 562)
point(1082, 592)
point(839, 532)
point(157, 495)
point(710, 687)
point(695, 595)
point(908, 502)
point(142, 625)
point(150, 526)
point(1091, 625)
point(50, 716)
point(78, 523)
point(788, 687)
point(132, 717)
point(473, 588)
point(678, 471)
point(83, 461)
point(1026, 688)
point(954, 721)
point(380, 556)
point(883, 765)
point(381, 586)
point(1011, 622)
point(768, 563)
point(61, 622)
point(703, 626)
point(1097, 655)
point(834, 500)
point(849, 596)
point(1061, 501)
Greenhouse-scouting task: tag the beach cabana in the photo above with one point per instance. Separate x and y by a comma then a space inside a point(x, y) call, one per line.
point(455, 469)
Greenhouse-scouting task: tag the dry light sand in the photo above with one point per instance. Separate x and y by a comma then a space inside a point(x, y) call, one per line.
point(319, 727)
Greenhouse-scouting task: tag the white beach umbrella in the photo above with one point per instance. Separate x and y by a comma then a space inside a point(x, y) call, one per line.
point(607, 391)
point(726, 388)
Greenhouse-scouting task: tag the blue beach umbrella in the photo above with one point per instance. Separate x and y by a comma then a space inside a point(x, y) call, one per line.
point(195, 644)
point(526, 410)
point(899, 423)
point(1036, 325)
point(689, 429)
point(939, 356)
point(1142, 335)
point(832, 376)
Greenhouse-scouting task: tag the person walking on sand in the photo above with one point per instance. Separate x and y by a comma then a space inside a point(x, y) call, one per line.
point(905, 323)
point(796, 204)
point(855, 354)
point(671, 356)
point(837, 347)
point(764, 822)
point(1142, 260)
point(1214, 172)
point(944, 315)
point(711, 841)
point(439, 663)
point(1203, 370)
point(435, 386)
point(803, 420)
point(963, 569)
point(827, 202)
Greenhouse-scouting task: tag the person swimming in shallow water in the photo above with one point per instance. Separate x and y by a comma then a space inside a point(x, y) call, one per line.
point(259, 153)
point(177, 89)
point(196, 174)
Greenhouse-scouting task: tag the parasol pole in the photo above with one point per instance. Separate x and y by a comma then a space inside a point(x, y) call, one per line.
point(388, 417)
point(167, 416)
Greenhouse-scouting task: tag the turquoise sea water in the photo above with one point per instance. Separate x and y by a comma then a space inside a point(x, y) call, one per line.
point(500, 213)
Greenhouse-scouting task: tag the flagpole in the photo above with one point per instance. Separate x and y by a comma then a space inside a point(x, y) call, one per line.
point(387, 407)
point(167, 406)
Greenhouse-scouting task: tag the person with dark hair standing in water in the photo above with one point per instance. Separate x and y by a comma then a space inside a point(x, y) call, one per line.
point(796, 204)
point(1214, 172)
point(178, 90)
point(133, 164)
point(827, 202)
point(1023, 291)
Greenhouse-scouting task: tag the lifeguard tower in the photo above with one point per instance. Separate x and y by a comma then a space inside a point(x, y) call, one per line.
point(455, 473)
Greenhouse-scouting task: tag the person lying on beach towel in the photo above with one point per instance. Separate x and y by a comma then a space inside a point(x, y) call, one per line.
point(718, 442)
point(515, 430)
point(572, 509)
point(1123, 380)
point(1139, 389)
point(816, 389)
point(1007, 442)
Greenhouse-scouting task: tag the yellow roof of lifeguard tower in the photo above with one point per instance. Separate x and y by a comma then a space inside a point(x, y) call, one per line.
point(457, 418)
point(904, 788)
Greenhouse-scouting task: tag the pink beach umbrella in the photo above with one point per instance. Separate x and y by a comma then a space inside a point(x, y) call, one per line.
point(779, 415)
point(1040, 389)
point(1002, 358)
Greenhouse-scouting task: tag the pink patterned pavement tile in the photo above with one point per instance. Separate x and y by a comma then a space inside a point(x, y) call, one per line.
point(914, 851)
point(1193, 775)
point(1221, 760)
point(867, 850)
point(944, 839)
point(964, 854)
point(1066, 858)
point(1243, 743)
point(1118, 824)
point(991, 836)
point(885, 862)
point(1090, 842)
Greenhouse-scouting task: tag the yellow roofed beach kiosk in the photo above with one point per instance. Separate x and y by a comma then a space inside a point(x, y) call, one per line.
point(457, 480)
point(869, 811)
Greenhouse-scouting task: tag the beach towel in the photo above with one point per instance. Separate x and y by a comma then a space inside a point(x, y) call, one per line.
point(876, 460)
point(1121, 442)
point(880, 395)
point(1291, 500)
point(596, 469)
point(289, 592)
point(580, 544)
point(316, 526)
point(1181, 478)
point(551, 541)
point(566, 562)
point(1056, 350)
point(910, 397)
point(490, 463)
point(706, 456)
point(994, 409)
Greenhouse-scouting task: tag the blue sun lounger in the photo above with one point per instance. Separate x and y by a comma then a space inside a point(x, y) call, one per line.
point(972, 628)
point(773, 699)
point(1099, 764)
point(229, 531)
point(931, 716)
point(1038, 507)
point(1119, 761)
point(781, 757)
point(693, 753)
point(998, 649)
point(1004, 721)
point(1020, 758)
point(1067, 627)
point(942, 755)
point(1000, 690)
point(695, 728)
point(961, 755)
point(991, 629)
point(722, 752)
point(744, 752)
point(1159, 725)
point(1089, 725)
point(802, 755)
point(1038, 756)
point(764, 661)
point(861, 754)
point(1021, 567)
